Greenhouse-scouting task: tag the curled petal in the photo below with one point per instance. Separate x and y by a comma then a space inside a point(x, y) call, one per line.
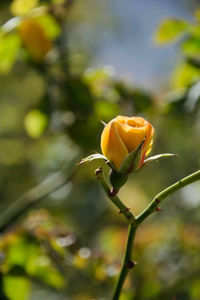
point(112, 146)
point(131, 136)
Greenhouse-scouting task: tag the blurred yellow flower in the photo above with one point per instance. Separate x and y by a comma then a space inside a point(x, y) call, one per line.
point(35, 39)
point(122, 135)
point(21, 7)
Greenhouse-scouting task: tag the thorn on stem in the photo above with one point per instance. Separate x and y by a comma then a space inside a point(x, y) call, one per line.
point(126, 209)
point(113, 192)
point(158, 208)
point(131, 264)
point(157, 200)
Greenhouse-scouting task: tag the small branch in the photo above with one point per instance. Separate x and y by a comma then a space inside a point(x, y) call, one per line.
point(114, 198)
point(33, 197)
point(168, 191)
point(128, 264)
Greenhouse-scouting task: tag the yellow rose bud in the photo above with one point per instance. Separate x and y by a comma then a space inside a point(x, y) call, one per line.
point(123, 135)
point(34, 39)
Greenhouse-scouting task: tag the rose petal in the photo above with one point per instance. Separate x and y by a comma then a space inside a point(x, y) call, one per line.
point(131, 136)
point(112, 146)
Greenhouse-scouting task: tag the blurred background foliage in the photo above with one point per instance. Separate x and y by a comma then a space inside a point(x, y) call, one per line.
point(60, 237)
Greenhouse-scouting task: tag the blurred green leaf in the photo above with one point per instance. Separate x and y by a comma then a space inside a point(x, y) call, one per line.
point(9, 46)
point(183, 75)
point(50, 26)
point(35, 123)
point(19, 251)
point(41, 267)
point(25, 256)
point(191, 46)
point(169, 30)
point(16, 288)
point(195, 30)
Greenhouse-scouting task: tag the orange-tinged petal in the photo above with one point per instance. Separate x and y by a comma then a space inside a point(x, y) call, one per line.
point(112, 146)
point(149, 147)
point(121, 119)
point(148, 143)
point(149, 139)
point(137, 122)
point(131, 136)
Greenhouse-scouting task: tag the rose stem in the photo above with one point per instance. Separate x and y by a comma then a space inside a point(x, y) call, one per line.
point(114, 198)
point(135, 222)
point(127, 264)
point(166, 192)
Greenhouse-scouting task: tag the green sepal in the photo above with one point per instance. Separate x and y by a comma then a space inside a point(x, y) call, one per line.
point(131, 161)
point(117, 179)
point(94, 157)
point(157, 157)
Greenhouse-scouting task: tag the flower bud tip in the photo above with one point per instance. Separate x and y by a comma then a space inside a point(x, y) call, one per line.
point(102, 122)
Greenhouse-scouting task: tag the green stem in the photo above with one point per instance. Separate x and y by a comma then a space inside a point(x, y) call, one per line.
point(127, 262)
point(162, 195)
point(134, 222)
point(114, 198)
